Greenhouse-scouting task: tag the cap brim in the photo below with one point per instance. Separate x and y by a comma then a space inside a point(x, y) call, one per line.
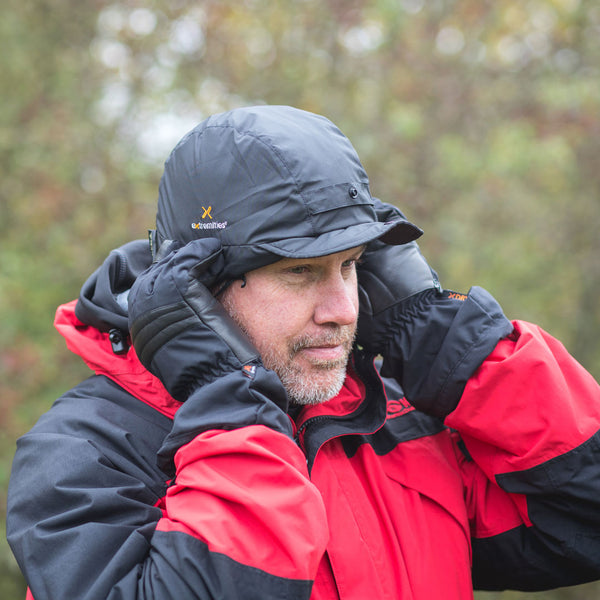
point(395, 232)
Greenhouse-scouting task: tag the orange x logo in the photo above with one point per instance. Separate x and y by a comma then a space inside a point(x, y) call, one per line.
point(206, 212)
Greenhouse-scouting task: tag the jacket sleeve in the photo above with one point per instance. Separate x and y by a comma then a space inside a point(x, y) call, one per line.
point(239, 520)
point(529, 420)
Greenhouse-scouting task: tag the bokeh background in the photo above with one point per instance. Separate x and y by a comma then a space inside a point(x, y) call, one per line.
point(479, 118)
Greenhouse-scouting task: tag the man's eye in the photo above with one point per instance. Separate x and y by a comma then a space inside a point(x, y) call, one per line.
point(350, 263)
point(299, 270)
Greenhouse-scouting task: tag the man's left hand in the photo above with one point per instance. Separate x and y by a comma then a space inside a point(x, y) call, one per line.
point(431, 340)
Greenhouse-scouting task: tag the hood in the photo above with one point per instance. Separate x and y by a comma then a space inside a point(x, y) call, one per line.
point(103, 298)
point(95, 326)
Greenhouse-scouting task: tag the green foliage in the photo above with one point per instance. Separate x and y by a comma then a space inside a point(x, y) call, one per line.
point(479, 119)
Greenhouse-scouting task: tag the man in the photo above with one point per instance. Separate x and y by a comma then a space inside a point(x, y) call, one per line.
point(246, 446)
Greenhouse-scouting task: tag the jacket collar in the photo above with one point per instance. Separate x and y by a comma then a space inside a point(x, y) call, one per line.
point(359, 409)
point(96, 350)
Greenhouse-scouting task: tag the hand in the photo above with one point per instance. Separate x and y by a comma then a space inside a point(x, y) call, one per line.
point(387, 275)
point(180, 332)
point(431, 340)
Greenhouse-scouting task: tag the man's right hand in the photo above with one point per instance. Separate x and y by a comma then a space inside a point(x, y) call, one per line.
point(180, 332)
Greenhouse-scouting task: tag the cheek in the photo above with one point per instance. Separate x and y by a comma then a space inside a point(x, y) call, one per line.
point(272, 314)
point(268, 316)
point(277, 322)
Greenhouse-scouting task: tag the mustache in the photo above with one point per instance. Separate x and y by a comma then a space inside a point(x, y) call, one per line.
point(338, 336)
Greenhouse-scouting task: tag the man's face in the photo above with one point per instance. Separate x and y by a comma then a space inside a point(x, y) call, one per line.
point(301, 315)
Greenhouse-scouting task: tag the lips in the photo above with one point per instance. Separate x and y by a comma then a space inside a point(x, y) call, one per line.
point(328, 353)
point(329, 348)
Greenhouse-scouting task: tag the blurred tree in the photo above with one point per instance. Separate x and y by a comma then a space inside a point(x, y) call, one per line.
point(479, 119)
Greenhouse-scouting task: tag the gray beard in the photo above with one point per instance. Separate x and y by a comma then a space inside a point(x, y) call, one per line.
point(302, 390)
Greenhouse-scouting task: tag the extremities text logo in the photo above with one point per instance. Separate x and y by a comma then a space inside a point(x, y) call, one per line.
point(208, 224)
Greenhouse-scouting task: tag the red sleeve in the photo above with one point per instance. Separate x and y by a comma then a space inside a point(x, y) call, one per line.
point(528, 424)
point(247, 495)
point(528, 403)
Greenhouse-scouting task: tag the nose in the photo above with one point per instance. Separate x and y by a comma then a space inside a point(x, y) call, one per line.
point(337, 302)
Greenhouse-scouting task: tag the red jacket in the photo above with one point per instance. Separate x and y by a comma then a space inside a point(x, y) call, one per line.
point(366, 497)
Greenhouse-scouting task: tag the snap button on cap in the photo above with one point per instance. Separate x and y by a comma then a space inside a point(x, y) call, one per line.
point(352, 192)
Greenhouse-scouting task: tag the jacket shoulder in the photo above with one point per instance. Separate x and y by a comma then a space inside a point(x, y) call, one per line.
point(86, 471)
point(99, 413)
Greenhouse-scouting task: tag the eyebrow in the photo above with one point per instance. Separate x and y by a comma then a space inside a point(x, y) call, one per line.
point(357, 252)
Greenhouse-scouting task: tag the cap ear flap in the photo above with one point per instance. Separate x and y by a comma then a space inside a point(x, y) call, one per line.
point(160, 248)
point(404, 232)
point(153, 239)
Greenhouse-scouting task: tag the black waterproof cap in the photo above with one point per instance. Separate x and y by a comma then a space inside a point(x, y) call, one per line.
point(270, 182)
